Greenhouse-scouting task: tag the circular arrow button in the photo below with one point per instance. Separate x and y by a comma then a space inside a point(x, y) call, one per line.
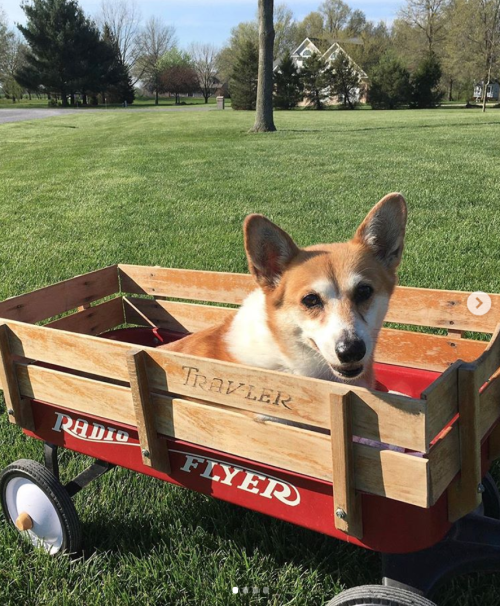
point(479, 303)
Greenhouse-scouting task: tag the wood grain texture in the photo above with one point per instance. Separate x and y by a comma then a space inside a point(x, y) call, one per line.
point(401, 347)
point(463, 495)
point(442, 401)
point(245, 434)
point(61, 297)
point(347, 502)
point(219, 287)
point(172, 315)
point(378, 416)
point(93, 320)
point(21, 408)
point(154, 451)
point(408, 305)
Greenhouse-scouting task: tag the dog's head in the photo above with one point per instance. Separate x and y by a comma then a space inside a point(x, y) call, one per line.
point(326, 303)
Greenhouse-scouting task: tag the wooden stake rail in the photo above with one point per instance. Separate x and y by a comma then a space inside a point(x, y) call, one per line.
point(220, 405)
point(416, 306)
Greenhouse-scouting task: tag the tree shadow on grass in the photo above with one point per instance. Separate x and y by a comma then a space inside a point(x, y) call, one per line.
point(378, 128)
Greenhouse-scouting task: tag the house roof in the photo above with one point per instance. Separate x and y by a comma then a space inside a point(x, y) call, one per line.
point(334, 49)
point(307, 43)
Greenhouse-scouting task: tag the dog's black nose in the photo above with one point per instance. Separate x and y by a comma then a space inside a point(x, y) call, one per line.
point(350, 350)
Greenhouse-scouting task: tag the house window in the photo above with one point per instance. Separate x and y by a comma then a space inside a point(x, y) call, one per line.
point(306, 53)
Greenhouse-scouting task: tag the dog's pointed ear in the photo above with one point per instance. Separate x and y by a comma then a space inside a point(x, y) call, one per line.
point(383, 230)
point(269, 250)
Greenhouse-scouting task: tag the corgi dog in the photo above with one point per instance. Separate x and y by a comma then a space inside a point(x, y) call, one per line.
point(316, 311)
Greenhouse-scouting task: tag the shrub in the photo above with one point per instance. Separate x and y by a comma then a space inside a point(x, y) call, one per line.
point(425, 83)
point(389, 84)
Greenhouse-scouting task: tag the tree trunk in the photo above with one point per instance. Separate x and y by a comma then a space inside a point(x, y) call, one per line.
point(485, 87)
point(450, 90)
point(72, 99)
point(64, 99)
point(156, 97)
point(264, 115)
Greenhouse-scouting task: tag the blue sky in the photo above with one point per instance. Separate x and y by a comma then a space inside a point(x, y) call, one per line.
point(211, 21)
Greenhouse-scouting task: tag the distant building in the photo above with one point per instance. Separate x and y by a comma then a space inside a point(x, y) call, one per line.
point(492, 91)
point(308, 48)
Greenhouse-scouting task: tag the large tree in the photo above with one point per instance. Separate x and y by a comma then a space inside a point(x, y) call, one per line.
point(336, 14)
point(122, 18)
point(61, 46)
point(287, 84)
point(204, 62)
point(152, 43)
point(474, 39)
point(264, 121)
point(13, 58)
point(315, 80)
point(345, 82)
point(177, 75)
point(243, 80)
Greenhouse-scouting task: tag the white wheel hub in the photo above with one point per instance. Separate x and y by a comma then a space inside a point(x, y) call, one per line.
point(22, 495)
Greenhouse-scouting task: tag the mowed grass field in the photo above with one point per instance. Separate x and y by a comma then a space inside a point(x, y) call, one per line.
point(81, 192)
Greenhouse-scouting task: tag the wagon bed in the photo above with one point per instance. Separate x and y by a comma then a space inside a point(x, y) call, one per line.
point(205, 424)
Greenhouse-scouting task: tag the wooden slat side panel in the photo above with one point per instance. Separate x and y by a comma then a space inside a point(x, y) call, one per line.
point(489, 362)
point(71, 350)
point(444, 463)
point(420, 350)
point(18, 408)
point(386, 473)
point(401, 347)
point(61, 297)
point(441, 309)
point(76, 393)
point(378, 416)
point(442, 401)
point(93, 320)
point(172, 315)
point(219, 287)
point(383, 417)
point(444, 457)
point(417, 306)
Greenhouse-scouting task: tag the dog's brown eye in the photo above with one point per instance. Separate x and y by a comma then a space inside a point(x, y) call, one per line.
point(362, 293)
point(312, 300)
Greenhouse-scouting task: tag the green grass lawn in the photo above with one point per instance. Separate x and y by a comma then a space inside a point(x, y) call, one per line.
point(81, 192)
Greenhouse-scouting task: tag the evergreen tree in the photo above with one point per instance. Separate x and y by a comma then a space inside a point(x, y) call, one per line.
point(345, 82)
point(243, 81)
point(61, 40)
point(389, 84)
point(116, 77)
point(425, 83)
point(315, 77)
point(288, 89)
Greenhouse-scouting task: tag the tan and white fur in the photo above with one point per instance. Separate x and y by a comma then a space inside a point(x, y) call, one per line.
point(318, 310)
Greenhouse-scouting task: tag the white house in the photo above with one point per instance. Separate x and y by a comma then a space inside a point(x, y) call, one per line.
point(492, 92)
point(308, 48)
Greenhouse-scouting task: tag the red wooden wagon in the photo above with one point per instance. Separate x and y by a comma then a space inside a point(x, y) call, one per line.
point(405, 475)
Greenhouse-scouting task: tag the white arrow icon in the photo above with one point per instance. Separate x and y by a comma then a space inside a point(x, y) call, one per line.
point(479, 303)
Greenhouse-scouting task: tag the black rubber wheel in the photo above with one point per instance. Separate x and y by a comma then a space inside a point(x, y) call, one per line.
point(379, 595)
point(27, 487)
point(491, 497)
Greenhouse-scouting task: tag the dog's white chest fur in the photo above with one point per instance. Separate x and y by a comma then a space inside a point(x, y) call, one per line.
point(251, 342)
